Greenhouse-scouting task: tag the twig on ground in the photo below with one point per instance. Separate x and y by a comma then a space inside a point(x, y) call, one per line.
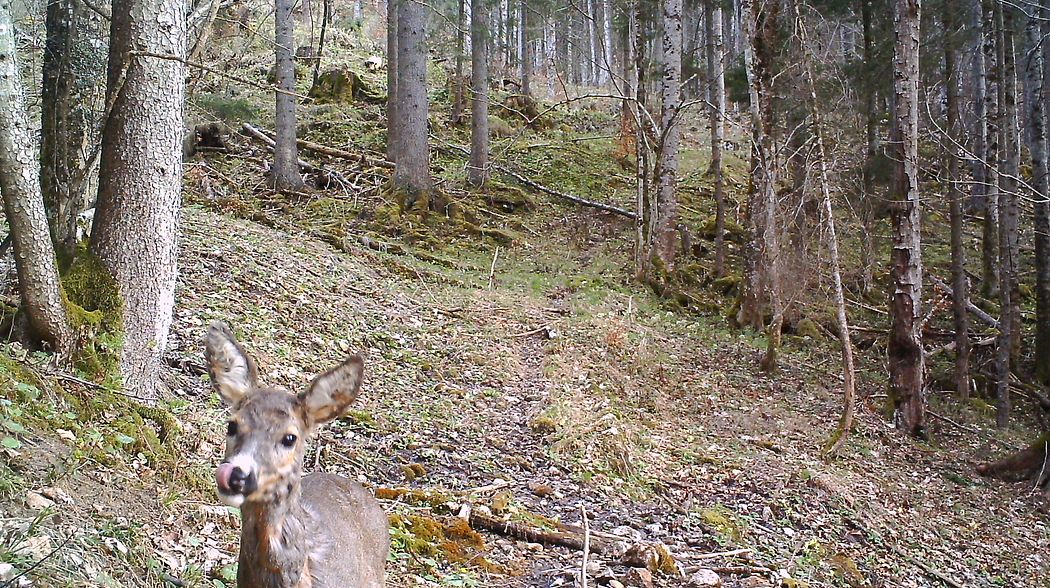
point(586, 546)
point(971, 430)
point(492, 270)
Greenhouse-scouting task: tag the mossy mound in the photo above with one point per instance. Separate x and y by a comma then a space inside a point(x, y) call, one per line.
point(734, 232)
point(343, 86)
point(96, 313)
point(499, 128)
point(453, 540)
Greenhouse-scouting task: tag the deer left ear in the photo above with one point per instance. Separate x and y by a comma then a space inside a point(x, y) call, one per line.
point(331, 393)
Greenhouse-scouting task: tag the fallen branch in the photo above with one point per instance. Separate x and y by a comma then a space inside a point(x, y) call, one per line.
point(977, 312)
point(931, 572)
point(586, 546)
point(532, 534)
point(551, 191)
point(339, 153)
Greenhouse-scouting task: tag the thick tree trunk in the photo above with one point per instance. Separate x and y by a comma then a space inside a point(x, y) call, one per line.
point(412, 175)
point(477, 172)
point(68, 133)
point(140, 181)
point(457, 97)
point(285, 173)
point(954, 155)
point(526, 55)
point(906, 358)
point(717, 87)
point(761, 252)
point(38, 284)
point(392, 126)
point(1041, 217)
point(665, 238)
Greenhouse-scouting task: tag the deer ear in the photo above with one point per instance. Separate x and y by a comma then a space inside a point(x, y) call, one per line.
point(233, 372)
point(331, 393)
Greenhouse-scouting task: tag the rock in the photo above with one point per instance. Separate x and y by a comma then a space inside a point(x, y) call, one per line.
point(7, 572)
point(540, 489)
point(755, 582)
point(616, 584)
point(705, 577)
point(342, 86)
point(639, 578)
point(37, 501)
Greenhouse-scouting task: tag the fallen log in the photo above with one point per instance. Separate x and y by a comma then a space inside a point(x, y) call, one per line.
point(551, 191)
point(337, 153)
point(262, 137)
point(977, 312)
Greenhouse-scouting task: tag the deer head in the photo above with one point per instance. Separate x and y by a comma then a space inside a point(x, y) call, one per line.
point(267, 428)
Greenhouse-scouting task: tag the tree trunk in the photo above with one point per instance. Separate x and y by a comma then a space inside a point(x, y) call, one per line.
point(1009, 163)
point(954, 155)
point(526, 56)
point(1041, 180)
point(591, 22)
point(642, 250)
point(665, 239)
point(717, 87)
point(285, 173)
point(392, 126)
point(477, 172)
point(760, 276)
point(412, 175)
point(140, 181)
point(68, 133)
point(867, 207)
point(607, 45)
point(457, 97)
point(993, 79)
point(906, 358)
point(848, 375)
point(38, 284)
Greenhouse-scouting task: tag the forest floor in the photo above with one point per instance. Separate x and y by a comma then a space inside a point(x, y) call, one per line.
point(524, 374)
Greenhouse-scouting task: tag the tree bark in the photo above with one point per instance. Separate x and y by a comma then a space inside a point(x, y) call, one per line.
point(412, 174)
point(871, 134)
point(285, 173)
point(457, 97)
point(68, 127)
point(607, 45)
point(1041, 179)
point(392, 126)
point(525, 54)
point(954, 155)
point(993, 79)
point(906, 358)
point(591, 22)
point(761, 251)
point(140, 181)
point(665, 238)
point(716, 76)
point(38, 283)
point(477, 171)
point(1009, 163)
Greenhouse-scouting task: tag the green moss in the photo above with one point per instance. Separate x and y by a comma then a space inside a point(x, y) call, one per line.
point(721, 521)
point(96, 310)
point(807, 327)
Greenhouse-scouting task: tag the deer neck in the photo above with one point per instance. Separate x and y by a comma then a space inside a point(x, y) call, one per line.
point(273, 543)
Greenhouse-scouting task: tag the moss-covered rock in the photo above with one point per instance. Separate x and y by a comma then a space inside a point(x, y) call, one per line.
point(343, 86)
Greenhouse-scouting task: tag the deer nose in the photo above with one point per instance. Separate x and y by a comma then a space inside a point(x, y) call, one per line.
point(233, 479)
point(238, 480)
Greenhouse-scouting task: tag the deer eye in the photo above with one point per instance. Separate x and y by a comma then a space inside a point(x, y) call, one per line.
point(289, 440)
point(231, 429)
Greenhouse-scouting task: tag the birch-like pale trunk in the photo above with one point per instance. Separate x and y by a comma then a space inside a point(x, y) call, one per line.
point(665, 238)
point(717, 109)
point(849, 393)
point(1041, 217)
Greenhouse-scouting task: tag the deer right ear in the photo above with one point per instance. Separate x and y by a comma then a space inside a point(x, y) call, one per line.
point(233, 372)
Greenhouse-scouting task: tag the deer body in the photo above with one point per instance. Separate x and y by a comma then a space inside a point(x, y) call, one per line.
point(317, 531)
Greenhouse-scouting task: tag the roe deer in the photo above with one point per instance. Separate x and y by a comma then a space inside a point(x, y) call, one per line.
point(317, 531)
